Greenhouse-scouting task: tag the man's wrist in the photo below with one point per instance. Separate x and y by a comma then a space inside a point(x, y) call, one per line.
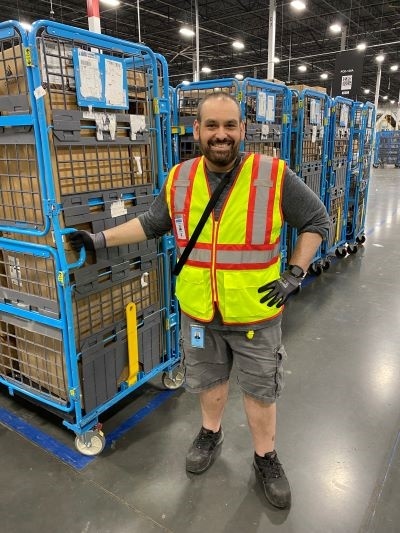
point(99, 241)
point(297, 272)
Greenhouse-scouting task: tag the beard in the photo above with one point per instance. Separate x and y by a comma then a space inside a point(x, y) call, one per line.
point(221, 153)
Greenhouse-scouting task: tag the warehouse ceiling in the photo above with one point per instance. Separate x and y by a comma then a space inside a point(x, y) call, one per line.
point(301, 37)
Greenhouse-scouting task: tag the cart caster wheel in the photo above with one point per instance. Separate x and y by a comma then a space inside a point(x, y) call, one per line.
point(340, 252)
point(352, 248)
point(361, 239)
point(315, 269)
point(174, 379)
point(326, 265)
point(375, 166)
point(91, 442)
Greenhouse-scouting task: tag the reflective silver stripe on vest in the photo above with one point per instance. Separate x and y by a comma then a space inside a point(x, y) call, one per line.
point(263, 184)
point(247, 256)
point(199, 255)
point(182, 184)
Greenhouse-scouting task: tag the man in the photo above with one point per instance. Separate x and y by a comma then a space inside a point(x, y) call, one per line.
point(230, 289)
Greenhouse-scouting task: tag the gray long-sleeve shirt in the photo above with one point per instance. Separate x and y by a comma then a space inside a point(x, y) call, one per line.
point(301, 207)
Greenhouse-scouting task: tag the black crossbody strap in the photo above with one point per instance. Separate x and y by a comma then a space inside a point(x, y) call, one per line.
point(195, 235)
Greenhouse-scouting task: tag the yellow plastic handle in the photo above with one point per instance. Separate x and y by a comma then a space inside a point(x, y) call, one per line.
point(132, 335)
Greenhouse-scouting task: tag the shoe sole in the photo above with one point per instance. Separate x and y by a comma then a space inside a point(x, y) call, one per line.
point(261, 480)
point(212, 459)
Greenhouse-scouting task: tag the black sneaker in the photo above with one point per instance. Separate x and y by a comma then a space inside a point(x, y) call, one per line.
point(204, 450)
point(272, 477)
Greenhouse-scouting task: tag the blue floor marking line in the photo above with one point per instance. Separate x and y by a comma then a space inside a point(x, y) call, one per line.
point(45, 441)
point(138, 417)
point(64, 453)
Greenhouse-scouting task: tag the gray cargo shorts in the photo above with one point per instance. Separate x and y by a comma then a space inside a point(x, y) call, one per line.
point(258, 358)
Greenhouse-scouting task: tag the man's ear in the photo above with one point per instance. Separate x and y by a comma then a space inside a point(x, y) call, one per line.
point(196, 129)
point(242, 130)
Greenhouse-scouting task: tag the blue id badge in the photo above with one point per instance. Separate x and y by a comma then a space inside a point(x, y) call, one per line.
point(197, 336)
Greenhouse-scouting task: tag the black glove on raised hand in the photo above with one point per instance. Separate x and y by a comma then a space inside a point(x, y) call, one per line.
point(90, 241)
point(280, 289)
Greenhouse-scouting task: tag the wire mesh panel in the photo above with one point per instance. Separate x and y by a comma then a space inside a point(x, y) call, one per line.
point(360, 175)
point(187, 99)
point(29, 278)
point(310, 150)
point(97, 146)
point(340, 145)
point(21, 185)
point(387, 149)
point(267, 116)
point(32, 357)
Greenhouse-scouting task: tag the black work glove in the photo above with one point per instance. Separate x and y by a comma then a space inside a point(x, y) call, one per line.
point(280, 289)
point(90, 241)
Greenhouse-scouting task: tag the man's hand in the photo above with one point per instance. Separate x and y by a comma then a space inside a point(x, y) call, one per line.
point(89, 241)
point(280, 289)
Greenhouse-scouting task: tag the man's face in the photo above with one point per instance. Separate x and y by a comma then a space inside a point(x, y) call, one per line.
point(219, 133)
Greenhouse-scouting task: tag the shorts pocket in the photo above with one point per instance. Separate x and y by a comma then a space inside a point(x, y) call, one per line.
point(280, 358)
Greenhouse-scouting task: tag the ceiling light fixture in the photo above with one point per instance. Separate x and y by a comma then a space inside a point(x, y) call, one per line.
point(385, 97)
point(238, 45)
point(335, 28)
point(380, 58)
point(186, 32)
point(324, 76)
point(361, 46)
point(206, 70)
point(394, 68)
point(277, 60)
point(366, 91)
point(302, 68)
point(111, 3)
point(298, 4)
point(392, 101)
point(239, 77)
point(185, 82)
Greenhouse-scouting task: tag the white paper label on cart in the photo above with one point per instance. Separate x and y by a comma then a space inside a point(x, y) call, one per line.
point(314, 134)
point(144, 280)
point(264, 132)
point(138, 125)
point(118, 209)
point(138, 164)
point(39, 92)
point(114, 86)
point(90, 77)
point(15, 270)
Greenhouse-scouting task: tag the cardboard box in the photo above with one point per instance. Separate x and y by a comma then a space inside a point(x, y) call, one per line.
point(12, 69)
point(302, 87)
point(42, 362)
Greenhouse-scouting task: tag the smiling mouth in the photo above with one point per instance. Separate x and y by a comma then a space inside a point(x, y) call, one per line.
point(225, 144)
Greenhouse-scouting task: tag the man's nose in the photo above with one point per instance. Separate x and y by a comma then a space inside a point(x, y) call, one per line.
point(221, 132)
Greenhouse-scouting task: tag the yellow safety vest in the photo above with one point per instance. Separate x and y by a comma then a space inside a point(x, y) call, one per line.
point(236, 254)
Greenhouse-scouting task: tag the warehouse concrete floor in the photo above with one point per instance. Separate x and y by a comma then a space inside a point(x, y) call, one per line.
point(338, 426)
